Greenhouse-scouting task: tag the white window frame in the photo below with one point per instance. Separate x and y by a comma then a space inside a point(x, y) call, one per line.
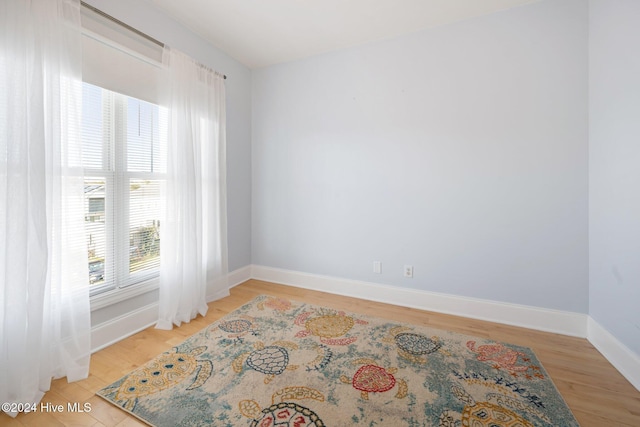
point(121, 61)
point(119, 284)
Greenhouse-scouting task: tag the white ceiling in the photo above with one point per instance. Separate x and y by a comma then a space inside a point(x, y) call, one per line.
point(259, 33)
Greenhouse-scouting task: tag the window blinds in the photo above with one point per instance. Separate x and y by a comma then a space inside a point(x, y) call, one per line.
point(118, 59)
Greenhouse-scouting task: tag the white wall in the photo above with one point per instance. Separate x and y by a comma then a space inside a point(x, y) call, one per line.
point(614, 168)
point(461, 150)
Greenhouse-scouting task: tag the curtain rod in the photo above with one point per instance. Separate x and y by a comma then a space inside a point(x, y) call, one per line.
point(127, 26)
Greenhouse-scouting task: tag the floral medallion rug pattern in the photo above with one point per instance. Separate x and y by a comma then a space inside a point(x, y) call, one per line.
point(275, 362)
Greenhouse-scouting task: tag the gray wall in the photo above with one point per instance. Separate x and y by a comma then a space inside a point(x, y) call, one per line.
point(614, 168)
point(460, 150)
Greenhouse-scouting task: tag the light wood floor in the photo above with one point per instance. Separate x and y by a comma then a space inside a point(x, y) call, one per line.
point(596, 393)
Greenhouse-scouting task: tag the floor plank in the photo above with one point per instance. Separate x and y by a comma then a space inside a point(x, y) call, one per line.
point(595, 391)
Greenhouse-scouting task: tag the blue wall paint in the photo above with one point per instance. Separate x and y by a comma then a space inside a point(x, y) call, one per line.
point(460, 150)
point(614, 168)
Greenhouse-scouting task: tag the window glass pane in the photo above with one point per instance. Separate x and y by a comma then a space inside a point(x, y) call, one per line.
point(96, 205)
point(145, 151)
point(92, 129)
point(95, 226)
point(124, 144)
point(144, 225)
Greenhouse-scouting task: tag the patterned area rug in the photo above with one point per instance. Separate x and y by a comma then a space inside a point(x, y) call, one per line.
point(275, 362)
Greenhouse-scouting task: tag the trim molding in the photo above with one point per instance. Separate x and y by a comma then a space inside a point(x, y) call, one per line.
point(542, 319)
point(117, 295)
point(239, 276)
point(119, 328)
point(619, 355)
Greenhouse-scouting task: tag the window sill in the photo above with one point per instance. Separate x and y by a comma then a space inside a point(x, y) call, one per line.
point(122, 294)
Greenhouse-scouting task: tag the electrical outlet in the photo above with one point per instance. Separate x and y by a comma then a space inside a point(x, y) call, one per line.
point(377, 267)
point(408, 271)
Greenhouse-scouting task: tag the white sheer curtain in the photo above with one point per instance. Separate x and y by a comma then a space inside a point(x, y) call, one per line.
point(44, 294)
point(193, 250)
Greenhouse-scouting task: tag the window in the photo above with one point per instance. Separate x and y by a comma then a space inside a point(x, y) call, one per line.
point(96, 205)
point(124, 152)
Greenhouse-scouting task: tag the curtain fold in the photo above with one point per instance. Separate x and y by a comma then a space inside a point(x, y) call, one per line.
point(44, 293)
point(193, 250)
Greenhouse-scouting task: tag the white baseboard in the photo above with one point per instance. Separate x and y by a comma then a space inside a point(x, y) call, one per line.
point(238, 276)
point(119, 328)
point(232, 279)
point(619, 355)
point(542, 319)
point(556, 321)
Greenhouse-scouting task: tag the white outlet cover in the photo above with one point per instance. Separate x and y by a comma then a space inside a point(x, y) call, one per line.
point(377, 267)
point(408, 271)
